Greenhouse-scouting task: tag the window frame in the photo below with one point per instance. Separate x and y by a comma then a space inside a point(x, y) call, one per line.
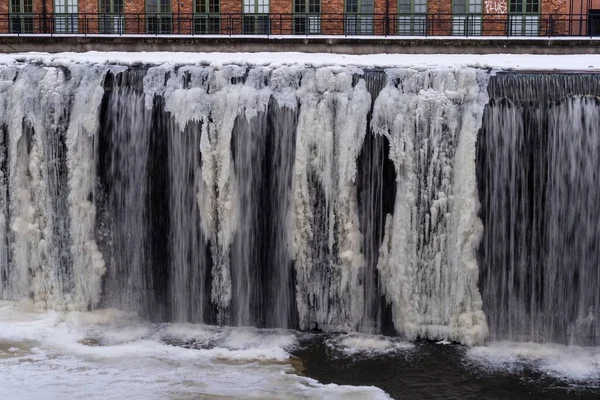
point(253, 6)
point(66, 16)
point(256, 17)
point(207, 16)
point(412, 22)
point(524, 4)
point(159, 22)
point(111, 16)
point(307, 21)
point(111, 6)
point(66, 7)
point(21, 6)
point(524, 22)
point(359, 22)
point(21, 19)
point(470, 21)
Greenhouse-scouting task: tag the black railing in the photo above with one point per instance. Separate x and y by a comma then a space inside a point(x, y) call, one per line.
point(348, 24)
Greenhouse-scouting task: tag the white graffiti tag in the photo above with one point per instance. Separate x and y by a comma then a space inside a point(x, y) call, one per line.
point(496, 7)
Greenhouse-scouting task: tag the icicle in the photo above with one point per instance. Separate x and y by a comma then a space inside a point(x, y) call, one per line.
point(427, 262)
point(326, 238)
point(26, 184)
point(88, 263)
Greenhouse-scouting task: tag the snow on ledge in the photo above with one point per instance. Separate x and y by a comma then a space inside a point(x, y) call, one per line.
point(340, 37)
point(576, 62)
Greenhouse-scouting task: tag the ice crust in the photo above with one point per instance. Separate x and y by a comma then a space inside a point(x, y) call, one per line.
point(427, 262)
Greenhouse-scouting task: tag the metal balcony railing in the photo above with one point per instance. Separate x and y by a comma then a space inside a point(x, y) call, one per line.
point(344, 24)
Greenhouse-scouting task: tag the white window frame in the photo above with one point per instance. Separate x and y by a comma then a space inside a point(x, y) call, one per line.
point(467, 22)
point(66, 19)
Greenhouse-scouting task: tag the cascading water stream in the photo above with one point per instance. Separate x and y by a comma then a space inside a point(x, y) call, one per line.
point(376, 196)
point(539, 183)
point(123, 170)
point(288, 196)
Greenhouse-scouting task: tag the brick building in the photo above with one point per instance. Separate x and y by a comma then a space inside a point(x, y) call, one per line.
point(303, 17)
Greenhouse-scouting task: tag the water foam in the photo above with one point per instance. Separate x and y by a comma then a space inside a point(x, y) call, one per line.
point(368, 345)
point(570, 363)
point(107, 354)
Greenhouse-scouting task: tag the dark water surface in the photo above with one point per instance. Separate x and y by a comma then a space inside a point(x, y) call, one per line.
point(433, 371)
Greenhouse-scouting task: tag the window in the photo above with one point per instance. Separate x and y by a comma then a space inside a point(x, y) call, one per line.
point(111, 19)
point(525, 6)
point(206, 16)
point(21, 16)
point(524, 17)
point(159, 18)
point(466, 17)
point(594, 24)
point(253, 21)
point(307, 17)
point(359, 17)
point(412, 23)
point(65, 16)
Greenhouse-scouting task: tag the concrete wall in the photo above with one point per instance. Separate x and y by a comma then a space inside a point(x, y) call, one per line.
point(13, 44)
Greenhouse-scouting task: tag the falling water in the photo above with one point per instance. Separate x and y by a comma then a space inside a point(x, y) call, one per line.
point(288, 196)
point(539, 183)
point(376, 195)
point(124, 152)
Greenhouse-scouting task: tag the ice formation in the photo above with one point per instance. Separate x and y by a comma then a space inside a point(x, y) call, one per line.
point(238, 195)
point(428, 258)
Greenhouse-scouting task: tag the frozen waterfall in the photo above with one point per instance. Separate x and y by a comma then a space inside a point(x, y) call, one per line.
point(289, 196)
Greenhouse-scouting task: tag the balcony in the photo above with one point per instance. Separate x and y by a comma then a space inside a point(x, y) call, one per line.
point(341, 24)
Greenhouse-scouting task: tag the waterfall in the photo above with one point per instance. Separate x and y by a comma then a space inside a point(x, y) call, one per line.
point(48, 252)
point(540, 189)
point(437, 204)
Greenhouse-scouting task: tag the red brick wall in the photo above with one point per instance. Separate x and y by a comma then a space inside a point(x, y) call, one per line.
point(231, 23)
point(555, 7)
point(495, 17)
point(231, 6)
point(135, 23)
point(332, 19)
point(581, 27)
point(332, 24)
point(38, 8)
point(88, 16)
point(281, 24)
point(182, 12)
point(556, 24)
point(381, 19)
point(440, 25)
point(4, 21)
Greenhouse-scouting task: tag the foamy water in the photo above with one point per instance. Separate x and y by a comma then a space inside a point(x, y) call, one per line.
point(569, 363)
point(367, 345)
point(111, 355)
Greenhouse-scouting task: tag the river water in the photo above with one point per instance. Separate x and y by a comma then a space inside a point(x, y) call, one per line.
point(108, 354)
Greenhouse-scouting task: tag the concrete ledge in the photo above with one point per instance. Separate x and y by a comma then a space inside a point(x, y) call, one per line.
point(340, 45)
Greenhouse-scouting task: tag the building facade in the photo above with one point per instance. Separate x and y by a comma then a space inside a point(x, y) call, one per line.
point(304, 17)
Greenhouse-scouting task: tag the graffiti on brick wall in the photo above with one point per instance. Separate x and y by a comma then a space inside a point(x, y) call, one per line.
point(496, 6)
